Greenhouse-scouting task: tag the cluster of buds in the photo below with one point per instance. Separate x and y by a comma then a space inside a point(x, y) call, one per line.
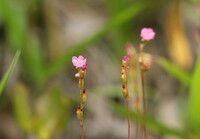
point(124, 76)
point(81, 66)
point(79, 113)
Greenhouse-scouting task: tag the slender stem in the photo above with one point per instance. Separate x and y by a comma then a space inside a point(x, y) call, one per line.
point(144, 106)
point(138, 130)
point(81, 104)
point(81, 90)
point(82, 130)
point(128, 110)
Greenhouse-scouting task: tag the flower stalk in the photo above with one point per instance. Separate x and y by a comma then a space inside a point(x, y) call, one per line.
point(81, 66)
point(145, 62)
point(134, 70)
point(124, 75)
point(135, 64)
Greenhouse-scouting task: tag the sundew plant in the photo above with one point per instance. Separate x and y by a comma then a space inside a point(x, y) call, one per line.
point(93, 69)
point(137, 64)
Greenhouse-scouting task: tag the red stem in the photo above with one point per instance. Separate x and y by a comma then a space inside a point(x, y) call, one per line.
point(82, 130)
point(128, 110)
point(144, 106)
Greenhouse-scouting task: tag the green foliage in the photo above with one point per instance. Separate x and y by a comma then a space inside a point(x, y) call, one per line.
point(7, 75)
point(15, 18)
point(114, 23)
point(48, 116)
point(52, 113)
point(16, 21)
point(22, 108)
point(193, 83)
point(49, 113)
point(121, 34)
point(178, 73)
point(152, 124)
point(196, 1)
point(194, 98)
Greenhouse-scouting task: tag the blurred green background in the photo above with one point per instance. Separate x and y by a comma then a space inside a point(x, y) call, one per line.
point(40, 99)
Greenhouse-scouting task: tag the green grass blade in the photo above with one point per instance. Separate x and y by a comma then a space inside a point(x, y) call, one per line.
point(117, 21)
point(152, 124)
point(194, 98)
point(178, 73)
point(7, 75)
point(15, 18)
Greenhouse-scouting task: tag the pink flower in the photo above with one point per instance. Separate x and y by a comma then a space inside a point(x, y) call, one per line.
point(78, 61)
point(147, 34)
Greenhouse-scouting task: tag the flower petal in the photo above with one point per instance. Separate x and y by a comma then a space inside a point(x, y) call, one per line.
point(80, 57)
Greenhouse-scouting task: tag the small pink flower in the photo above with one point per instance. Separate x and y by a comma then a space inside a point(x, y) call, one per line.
point(78, 62)
point(147, 34)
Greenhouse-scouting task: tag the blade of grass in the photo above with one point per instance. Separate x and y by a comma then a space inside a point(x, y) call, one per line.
point(178, 73)
point(194, 98)
point(15, 18)
point(7, 75)
point(152, 124)
point(117, 21)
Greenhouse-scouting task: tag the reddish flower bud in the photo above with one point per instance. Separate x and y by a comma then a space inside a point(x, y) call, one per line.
point(124, 91)
point(84, 67)
point(84, 91)
point(79, 113)
point(78, 107)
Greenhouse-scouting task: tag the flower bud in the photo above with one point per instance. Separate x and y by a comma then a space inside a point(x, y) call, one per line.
point(123, 77)
point(77, 75)
point(84, 67)
point(124, 91)
point(79, 113)
point(83, 96)
point(124, 61)
point(145, 61)
point(123, 70)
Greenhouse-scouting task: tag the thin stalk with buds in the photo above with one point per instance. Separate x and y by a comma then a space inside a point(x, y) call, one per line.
point(81, 65)
point(124, 78)
point(145, 61)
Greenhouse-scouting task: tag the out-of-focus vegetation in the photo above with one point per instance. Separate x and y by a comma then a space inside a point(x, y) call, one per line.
point(7, 75)
point(41, 96)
